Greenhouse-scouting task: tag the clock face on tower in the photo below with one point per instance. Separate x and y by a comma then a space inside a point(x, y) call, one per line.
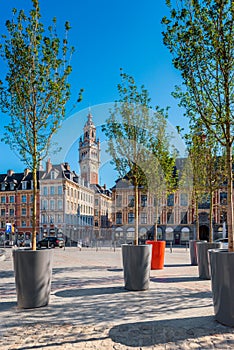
point(93, 167)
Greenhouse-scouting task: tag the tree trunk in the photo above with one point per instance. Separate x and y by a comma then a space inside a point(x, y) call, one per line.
point(34, 215)
point(136, 214)
point(230, 214)
point(211, 217)
point(156, 222)
point(197, 219)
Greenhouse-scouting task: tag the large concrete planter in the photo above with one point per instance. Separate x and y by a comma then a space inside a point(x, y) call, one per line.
point(203, 258)
point(136, 266)
point(222, 282)
point(158, 254)
point(193, 252)
point(33, 271)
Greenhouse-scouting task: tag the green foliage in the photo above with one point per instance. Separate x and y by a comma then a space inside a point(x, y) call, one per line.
point(36, 86)
point(200, 34)
point(137, 140)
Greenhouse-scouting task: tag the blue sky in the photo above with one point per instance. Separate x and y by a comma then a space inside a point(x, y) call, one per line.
point(107, 35)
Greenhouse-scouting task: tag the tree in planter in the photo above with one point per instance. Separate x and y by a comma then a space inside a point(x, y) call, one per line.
point(200, 36)
point(126, 134)
point(131, 130)
point(216, 174)
point(36, 88)
point(196, 165)
point(159, 165)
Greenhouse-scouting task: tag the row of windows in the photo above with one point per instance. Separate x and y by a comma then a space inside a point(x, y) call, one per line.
point(80, 209)
point(73, 192)
point(52, 190)
point(103, 203)
point(80, 195)
point(58, 205)
point(45, 219)
point(23, 223)
point(170, 200)
point(83, 220)
point(52, 204)
point(12, 199)
point(24, 185)
point(143, 218)
point(11, 212)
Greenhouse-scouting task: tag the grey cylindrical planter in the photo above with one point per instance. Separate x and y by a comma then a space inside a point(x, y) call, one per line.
point(222, 282)
point(193, 252)
point(136, 266)
point(33, 271)
point(202, 258)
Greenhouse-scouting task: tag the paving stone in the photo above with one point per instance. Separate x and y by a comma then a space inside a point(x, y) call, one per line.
point(90, 309)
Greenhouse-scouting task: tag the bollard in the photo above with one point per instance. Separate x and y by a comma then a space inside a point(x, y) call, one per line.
point(170, 247)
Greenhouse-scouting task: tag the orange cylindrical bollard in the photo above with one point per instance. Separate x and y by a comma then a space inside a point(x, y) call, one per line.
point(158, 253)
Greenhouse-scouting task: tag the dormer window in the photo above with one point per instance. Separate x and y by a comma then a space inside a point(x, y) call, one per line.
point(54, 174)
point(24, 185)
point(12, 186)
point(3, 186)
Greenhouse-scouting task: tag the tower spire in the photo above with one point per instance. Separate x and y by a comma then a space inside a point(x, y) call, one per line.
point(89, 152)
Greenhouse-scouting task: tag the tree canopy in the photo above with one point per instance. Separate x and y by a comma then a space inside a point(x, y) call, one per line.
point(137, 141)
point(199, 34)
point(35, 89)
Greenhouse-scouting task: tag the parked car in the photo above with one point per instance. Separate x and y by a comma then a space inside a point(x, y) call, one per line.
point(223, 241)
point(24, 243)
point(51, 242)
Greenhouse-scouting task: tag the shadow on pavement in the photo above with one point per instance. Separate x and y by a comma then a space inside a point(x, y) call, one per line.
point(68, 293)
point(7, 305)
point(171, 331)
point(177, 265)
point(175, 279)
point(72, 269)
point(6, 274)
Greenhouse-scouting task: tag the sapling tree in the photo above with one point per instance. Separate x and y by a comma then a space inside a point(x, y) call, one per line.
point(160, 163)
point(216, 174)
point(197, 164)
point(126, 131)
point(35, 89)
point(135, 137)
point(199, 34)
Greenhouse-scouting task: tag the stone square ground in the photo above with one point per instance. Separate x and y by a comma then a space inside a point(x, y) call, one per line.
point(90, 309)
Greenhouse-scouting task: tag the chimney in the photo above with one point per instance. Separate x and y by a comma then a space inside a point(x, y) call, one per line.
point(67, 166)
point(48, 166)
point(10, 172)
point(26, 171)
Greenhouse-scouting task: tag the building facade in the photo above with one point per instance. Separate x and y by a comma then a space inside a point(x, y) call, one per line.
point(176, 221)
point(78, 208)
point(66, 203)
point(16, 205)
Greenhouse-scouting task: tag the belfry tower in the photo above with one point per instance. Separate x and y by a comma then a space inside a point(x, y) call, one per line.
point(89, 153)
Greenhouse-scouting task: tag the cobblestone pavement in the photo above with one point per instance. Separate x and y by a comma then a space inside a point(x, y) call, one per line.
point(90, 309)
